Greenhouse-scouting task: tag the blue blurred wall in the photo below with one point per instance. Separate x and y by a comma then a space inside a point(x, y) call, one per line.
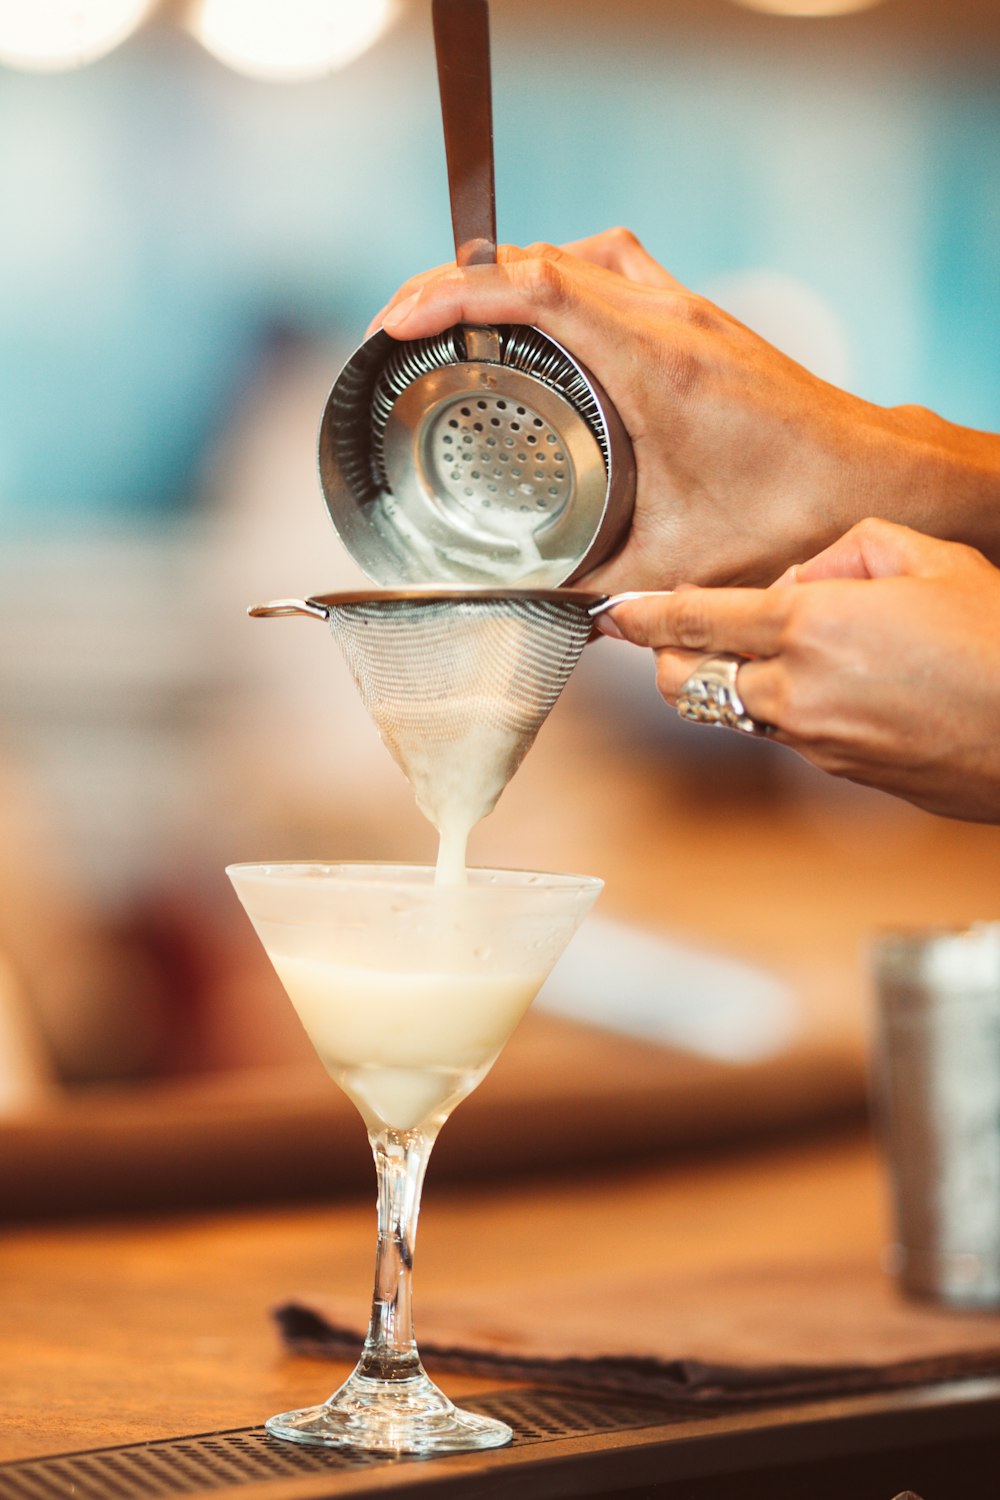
point(161, 217)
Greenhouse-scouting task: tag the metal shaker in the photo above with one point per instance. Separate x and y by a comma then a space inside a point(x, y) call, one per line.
point(481, 456)
point(937, 1097)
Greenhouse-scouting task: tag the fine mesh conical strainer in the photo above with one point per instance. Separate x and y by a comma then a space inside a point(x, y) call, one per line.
point(458, 683)
point(481, 455)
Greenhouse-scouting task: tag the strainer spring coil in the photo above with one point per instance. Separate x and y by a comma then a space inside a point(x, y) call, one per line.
point(521, 348)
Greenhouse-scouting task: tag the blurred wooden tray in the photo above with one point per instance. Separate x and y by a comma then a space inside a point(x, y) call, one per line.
point(561, 1093)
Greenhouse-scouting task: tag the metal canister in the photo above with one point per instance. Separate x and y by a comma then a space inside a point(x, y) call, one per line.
point(937, 1091)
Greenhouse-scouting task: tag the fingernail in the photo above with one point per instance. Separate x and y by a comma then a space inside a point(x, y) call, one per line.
point(399, 314)
point(606, 625)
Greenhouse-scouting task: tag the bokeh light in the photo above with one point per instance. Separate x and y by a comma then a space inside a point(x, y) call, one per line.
point(287, 40)
point(52, 35)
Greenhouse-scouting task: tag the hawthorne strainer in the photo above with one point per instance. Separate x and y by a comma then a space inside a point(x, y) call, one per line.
point(458, 682)
point(481, 455)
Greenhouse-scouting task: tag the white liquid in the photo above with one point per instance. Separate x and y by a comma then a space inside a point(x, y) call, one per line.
point(405, 1047)
point(510, 558)
point(458, 781)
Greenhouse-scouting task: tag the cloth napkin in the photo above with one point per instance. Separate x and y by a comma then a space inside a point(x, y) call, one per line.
point(714, 1339)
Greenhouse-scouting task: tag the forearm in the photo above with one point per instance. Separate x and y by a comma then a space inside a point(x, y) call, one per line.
point(938, 478)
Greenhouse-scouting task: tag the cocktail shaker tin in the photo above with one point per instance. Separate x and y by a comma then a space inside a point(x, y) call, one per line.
point(937, 1078)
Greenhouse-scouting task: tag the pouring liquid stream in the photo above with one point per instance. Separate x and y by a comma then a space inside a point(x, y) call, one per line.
point(457, 781)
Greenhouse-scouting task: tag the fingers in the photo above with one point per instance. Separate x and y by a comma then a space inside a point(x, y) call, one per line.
point(881, 549)
point(751, 622)
point(686, 626)
point(537, 289)
point(619, 250)
point(403, 293)
point(762, 685)
point(541, 284)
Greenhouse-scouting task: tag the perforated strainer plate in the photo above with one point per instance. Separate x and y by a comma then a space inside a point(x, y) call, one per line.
point(440, 468)
point(490, 452)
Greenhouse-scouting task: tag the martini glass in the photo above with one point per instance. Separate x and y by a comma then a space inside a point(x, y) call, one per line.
point(408, 990)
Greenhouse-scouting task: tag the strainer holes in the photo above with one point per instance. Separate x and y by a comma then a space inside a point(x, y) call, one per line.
point(501, 406)
point(523, 457)
point(477, 426)
point(466, 411)
point(494, 421)
point(453, 422)
point(503, 458)
point(560, 474)
point(550, 437)
point(538, 422)
point(492, 488)
point(491, 442)
point(553, 490)
point(558, 457)
point(515, 427)
point(481, 405)
point(531, 438)
point(521, 411)
point(448, 438)
point(475, 474)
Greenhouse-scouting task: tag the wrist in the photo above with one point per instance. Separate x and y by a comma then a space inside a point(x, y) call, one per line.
point(940, 478)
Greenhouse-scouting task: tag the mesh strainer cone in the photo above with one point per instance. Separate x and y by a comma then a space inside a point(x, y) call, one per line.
point(458, 683)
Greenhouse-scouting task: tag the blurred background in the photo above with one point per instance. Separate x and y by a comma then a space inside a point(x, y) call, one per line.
point(203, 205)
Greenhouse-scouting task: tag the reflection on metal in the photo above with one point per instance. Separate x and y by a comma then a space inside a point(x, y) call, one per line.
point(54, 35)
point(288, 40)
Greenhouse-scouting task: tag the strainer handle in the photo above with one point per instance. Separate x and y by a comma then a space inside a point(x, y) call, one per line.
point(610, 600)
point(462, 45)
point(289, 607)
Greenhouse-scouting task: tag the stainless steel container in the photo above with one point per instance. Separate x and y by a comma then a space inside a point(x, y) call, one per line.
point(937, 1095)
point(480, 456)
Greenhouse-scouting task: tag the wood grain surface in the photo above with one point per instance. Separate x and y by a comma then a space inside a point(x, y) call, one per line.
point(120, 1331)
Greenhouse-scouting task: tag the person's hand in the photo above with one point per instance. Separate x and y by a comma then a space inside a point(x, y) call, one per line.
point(745, 460)
point(878, 660)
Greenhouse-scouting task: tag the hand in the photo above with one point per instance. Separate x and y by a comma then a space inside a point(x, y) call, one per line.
point(878, 660)
point(745, 460)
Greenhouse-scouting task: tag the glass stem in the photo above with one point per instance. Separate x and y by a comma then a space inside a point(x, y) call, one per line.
point(390, 1351)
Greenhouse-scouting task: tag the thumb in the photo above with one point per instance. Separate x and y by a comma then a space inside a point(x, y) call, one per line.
point(875, 549)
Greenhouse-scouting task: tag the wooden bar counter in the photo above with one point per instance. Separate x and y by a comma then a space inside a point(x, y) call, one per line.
point(132, 1331)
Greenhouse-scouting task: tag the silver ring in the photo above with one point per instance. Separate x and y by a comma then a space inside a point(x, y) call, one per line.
point(710, 696)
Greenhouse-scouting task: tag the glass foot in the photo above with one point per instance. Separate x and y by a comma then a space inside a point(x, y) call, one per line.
point(390, 1416)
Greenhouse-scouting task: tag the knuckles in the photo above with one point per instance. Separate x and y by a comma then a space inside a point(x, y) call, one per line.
point(541, 281)
point(690, 624)
point(621, 239)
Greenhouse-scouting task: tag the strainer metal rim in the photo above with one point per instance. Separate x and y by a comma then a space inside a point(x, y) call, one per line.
point(430, 594)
